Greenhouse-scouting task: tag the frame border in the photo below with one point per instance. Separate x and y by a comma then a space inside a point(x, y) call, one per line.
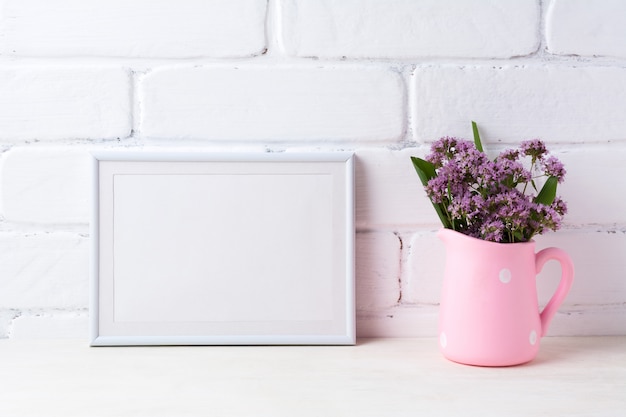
point(349, 338)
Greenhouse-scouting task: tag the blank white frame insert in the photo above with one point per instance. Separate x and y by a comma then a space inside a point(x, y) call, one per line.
point(222, 249)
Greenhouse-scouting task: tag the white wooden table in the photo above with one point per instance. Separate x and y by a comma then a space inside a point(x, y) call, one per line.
point(378, 377)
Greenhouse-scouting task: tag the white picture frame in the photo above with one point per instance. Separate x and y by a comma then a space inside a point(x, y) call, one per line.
point(222, 249)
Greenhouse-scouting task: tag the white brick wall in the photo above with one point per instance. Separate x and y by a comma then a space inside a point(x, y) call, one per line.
point(382, 79)
point(137, 28)
point(427, 257)
point(579, 27)
point(594, 189)
point(387, 193)
point(378, 269)
point(561, 103)
point(408, 29)
point(50, 101)
point(43, 270)
point(56, 179)
point(272, 104)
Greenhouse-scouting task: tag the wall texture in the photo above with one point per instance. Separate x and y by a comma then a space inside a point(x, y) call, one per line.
point(382, 79)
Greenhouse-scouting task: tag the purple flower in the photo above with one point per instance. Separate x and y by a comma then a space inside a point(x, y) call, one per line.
point(554, 167)
point(559, 206)
point(492, 231)
point(535, 148)
point(512, 172)
point(488, 199)
point(441, 150)
point(510, 154)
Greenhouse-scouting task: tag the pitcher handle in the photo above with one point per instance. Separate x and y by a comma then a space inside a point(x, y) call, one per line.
point(567, 277)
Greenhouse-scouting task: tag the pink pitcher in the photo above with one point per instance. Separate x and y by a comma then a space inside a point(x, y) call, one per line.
point(489, 314)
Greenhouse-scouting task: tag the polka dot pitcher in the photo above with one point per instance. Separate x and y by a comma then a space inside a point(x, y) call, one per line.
point(489, 313)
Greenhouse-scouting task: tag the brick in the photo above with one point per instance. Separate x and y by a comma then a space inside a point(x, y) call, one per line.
point(377, 270)
point(46, 185)
point(599, 262)
point(598, 277)
point(49, 103)
point(580, 27)
point(590, 197)
point(398, 321)
point(272, 104)
point(6, 318)
point(589, 188)
point(407, 29)
point(139, 28)
point(512, 103)
point(388, 190)
point(45, 270)
point(389, 193)
point(57, 324)
point(421, 321)
point(589, 321)
point(423, 279)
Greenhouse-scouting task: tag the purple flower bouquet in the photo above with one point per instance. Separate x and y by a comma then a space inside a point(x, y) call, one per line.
point(495, 200)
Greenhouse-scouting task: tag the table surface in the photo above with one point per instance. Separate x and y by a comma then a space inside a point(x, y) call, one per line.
point(571, 376)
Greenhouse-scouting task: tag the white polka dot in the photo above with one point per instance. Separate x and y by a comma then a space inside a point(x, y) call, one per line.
point(443, 340)
point(533, 337)
point(505, 276)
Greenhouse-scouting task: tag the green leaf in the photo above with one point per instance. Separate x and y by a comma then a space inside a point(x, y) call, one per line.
point(426, 171)
point(532, 182)
point(477, 142)
point(548, 192)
